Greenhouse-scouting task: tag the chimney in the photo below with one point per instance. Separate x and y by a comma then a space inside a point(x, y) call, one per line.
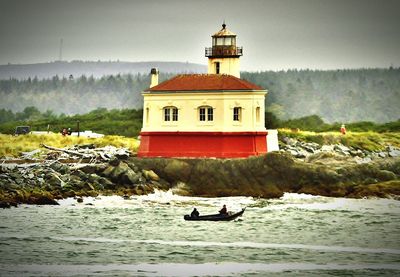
point(154, 77)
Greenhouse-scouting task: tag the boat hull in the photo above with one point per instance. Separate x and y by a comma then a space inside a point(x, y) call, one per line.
point(215, 217)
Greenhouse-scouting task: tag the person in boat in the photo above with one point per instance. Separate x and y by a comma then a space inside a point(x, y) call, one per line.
point(223, 210)
point(195, 213)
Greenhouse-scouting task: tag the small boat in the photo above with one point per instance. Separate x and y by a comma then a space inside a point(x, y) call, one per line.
point(215, 217)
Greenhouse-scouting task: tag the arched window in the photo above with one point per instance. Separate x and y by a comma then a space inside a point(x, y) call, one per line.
point(206, 113)
point(237, 114)
point(170, 113)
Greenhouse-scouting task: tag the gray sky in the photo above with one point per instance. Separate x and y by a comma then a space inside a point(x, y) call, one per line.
point(275, 34)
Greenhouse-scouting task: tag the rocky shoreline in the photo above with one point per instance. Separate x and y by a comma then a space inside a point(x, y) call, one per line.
point(329, 170)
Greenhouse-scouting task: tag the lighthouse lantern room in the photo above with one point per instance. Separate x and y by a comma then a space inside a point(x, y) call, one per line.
point(205, 115)
point(223, 56)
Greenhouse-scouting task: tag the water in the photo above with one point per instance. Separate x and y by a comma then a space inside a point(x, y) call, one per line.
point(297, 235)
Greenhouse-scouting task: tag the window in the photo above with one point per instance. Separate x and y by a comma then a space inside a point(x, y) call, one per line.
point(237, 114)
point(258, 114)
point(217, 67)
point(167, 114)
point(210, 114)
point(228, 41)
point(174, 114)
point(168, 111)
point(206, 114)
point(202, 113)
point(147, 115)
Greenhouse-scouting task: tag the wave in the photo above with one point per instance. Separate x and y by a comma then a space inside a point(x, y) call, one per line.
point(321, 203)
point(181, 269)
point(242, 244)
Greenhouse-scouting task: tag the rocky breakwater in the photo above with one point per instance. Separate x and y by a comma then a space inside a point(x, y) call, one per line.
point(303, 150)
point(46, 181)
point(324, 170)
point(270, 175)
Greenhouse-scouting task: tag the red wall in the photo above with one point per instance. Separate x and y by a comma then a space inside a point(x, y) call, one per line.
point(202, 144)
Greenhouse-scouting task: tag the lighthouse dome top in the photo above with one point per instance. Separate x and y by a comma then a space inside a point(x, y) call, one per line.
point(224, 32)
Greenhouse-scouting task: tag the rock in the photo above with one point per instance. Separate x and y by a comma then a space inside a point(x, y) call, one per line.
point(327, 148)
point(177, 170)
point(82, 175)
point(385, 175)
point(383, 189)
point(93, 168)
point(59, 167)
point(381, 154)
point(357, 153)
point(309, 149)
point(150, 175)
point(4, 205)
point(119, 170)
point(108, 171)
point(342, 148)
point(393, 152)
point(42, 200)
point(89, 186)
point(130, 177)
point(114, 161)
point(55, 181)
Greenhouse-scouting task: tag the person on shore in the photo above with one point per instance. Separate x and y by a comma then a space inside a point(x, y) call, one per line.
point(195, 213)
point(343, 129)
point(223, 210)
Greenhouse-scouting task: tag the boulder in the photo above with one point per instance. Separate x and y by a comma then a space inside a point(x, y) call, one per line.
point(59, 167)
point(119, 170)
point(393, 151)
point(150, 175)
point(42, 200)
point(55, 181)
point(114, 161)
point(327, 148)
point(130, 177)
point(4, 205)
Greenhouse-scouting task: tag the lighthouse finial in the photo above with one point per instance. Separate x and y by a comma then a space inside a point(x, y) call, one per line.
point(223, 25)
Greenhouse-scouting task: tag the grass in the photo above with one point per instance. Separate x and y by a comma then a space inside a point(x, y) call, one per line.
point(12, 146)
point(371, 141)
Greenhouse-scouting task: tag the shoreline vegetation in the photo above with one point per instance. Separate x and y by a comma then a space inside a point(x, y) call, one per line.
point(356, 165)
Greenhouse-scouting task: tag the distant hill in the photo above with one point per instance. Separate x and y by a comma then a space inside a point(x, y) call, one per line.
point(95, 69)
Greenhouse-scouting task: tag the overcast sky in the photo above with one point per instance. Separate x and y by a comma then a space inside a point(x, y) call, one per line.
point(275, 34)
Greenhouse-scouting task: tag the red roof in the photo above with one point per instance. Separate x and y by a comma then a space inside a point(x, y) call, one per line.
point(198, 82)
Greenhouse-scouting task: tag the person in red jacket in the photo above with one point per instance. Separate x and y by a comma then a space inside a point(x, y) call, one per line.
point(343, 129)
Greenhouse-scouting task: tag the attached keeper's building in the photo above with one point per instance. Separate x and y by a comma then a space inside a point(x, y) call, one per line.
point(205, 115)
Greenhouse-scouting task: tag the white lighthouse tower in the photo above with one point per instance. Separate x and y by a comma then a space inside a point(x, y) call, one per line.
point(223, 56)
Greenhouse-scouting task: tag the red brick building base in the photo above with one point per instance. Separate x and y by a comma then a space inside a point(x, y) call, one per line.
point(202, 144)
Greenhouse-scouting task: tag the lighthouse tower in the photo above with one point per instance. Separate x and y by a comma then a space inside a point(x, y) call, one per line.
point(223, 56)
point(205, 115)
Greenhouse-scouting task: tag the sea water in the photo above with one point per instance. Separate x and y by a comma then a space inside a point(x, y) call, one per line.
point(296, 235)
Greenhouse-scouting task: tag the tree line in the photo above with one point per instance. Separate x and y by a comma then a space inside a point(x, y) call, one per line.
point(334, 95)
point(128, 122)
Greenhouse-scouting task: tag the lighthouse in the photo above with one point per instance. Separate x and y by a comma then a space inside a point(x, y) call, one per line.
point(223, 56)
point(214, 115)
